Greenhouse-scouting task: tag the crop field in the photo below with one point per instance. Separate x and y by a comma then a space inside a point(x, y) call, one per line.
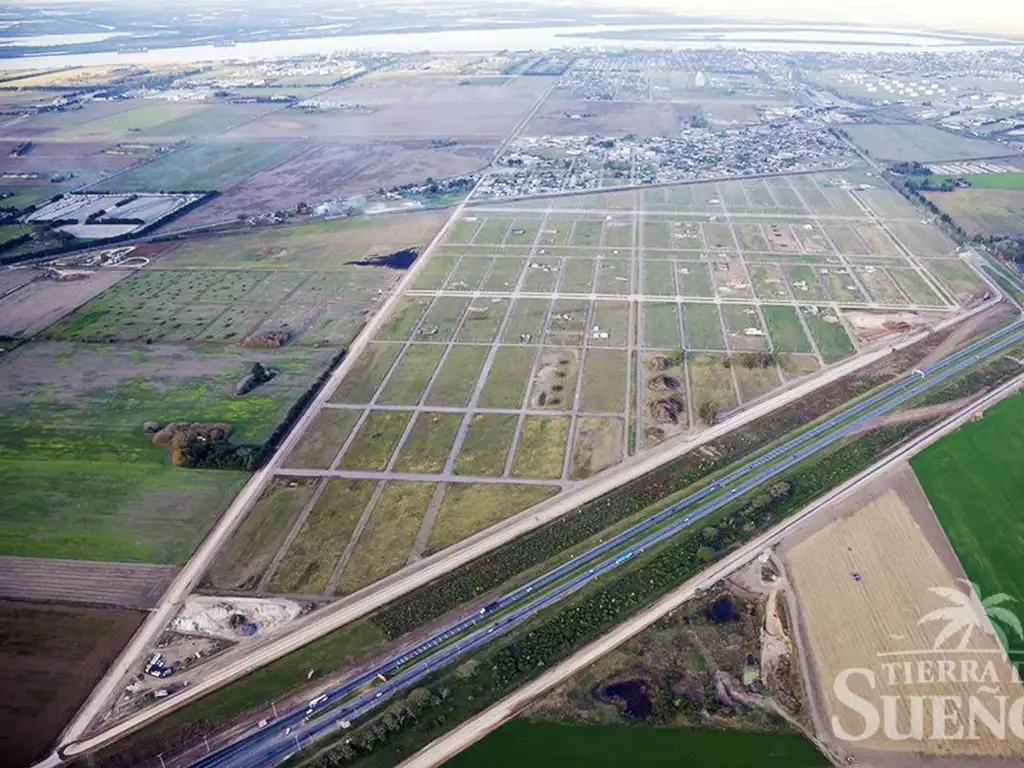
point(51, 658)
point(864, 581)
point(975, 491)
point(545, 341)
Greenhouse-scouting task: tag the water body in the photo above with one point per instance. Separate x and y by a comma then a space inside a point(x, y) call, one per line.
point(661, 36)
point(634, 696)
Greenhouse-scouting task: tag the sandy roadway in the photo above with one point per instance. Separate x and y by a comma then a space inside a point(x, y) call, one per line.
point(444, 748)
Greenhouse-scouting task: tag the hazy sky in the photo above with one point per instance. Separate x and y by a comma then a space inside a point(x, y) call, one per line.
point(992, 16)
point(995, 16)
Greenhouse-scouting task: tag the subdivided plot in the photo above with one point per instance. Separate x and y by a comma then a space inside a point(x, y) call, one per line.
point(544, 341)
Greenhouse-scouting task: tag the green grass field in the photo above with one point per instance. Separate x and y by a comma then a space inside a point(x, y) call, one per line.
point(983, 180)
point(785, 329)
point(466, 509)
point(212, 165)
point(973, 480)
point(307, 566)
point(323, 245)
point(93, 510)
point(387, 539)
point(243, 560)
point(831, 337)
point(541, 745)
point(89, 402)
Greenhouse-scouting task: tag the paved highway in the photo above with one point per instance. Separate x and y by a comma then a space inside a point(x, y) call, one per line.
point(278, 739)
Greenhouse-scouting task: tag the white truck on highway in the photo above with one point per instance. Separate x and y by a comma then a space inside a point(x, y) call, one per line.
point(316, 702)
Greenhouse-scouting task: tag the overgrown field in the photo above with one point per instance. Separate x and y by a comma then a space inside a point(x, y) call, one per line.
point(973, 481)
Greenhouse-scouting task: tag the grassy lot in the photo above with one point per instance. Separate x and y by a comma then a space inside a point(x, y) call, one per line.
point(702, 327)
point(252, 546)
point(904, 142)
point(366, 374)
point(597, 445)
point(540, 451)
point(323, 245)
point(973, 481)
point(251, 693)
point(660, 325)
point(486, 445)
point(958, 278)
point(785, 329)
point(403, 318)
point(322, 441)
point(95, 510)
point(831, 337)
point(457, 378)
point(212, 165)
point(429, 443)
point(375, 441)
point(307, 566)
point(541, 745)
point(411, 376)
point(506, 382)
point(20, 196)
point(711, 380)
point(156, 305)
point(468, 508)
point(387, 540)
point(605, 372)
point(984, 211)
point(757, 381)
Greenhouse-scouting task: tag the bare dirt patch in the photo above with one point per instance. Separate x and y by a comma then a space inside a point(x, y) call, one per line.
point(412, 109)
point(63, 157)
point(558, 117)
point(40, 303)
point(127, 585)
point(869, 325)
point(339, 169)
point(51, 657)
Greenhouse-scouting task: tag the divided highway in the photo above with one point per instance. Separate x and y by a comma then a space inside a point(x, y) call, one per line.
point(283, 736)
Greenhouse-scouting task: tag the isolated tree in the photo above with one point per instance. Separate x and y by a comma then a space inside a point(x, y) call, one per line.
point(708, 412)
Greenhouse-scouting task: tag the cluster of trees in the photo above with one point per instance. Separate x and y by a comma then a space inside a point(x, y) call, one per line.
point(1009, 248)
point(708, 411)
point(753, 360)
point(910, 168)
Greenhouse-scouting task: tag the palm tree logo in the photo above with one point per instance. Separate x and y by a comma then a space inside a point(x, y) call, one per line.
point(968, 612)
